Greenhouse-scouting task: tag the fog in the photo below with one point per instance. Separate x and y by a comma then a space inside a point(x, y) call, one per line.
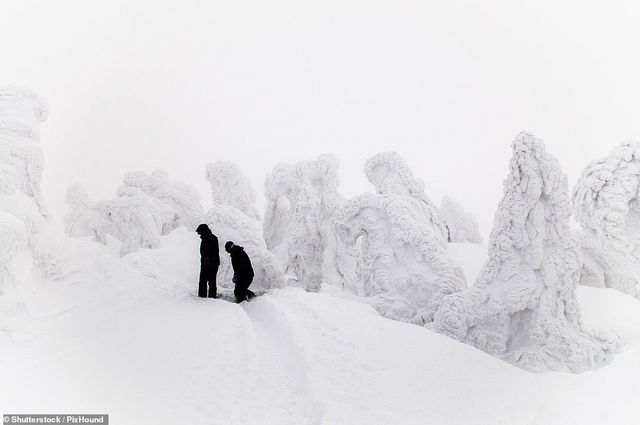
point(174, 85)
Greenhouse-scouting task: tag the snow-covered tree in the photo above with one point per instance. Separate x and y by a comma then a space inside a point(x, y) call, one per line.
point(21, 158)
point(134, 218)
point(607, 205)
point(230, 187)
point(129, 221)
point(13, 237)
point(147, 207)
point(301, 199)
point(400, 241)
point(21, 167)
point(182, 198)
point(230, 224)
point(84, 219)
point(461, 226)
point(523, 307)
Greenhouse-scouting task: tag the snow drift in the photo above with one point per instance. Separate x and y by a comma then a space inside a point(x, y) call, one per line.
point(523, 307)
point(399, 241)
point(606, 204)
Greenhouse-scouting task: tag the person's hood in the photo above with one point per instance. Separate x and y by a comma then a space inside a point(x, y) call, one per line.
point(203, 229)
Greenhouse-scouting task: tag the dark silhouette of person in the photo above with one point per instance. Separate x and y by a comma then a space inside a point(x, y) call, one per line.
point(209, 261)
point(242, 271)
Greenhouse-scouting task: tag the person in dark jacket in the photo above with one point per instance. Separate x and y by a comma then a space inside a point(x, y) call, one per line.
point(209, 261)
point(242, 271)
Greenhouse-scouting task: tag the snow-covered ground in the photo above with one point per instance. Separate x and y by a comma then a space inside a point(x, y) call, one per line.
point(129, 337)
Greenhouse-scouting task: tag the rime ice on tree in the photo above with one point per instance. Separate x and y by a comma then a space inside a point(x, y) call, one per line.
point(301, 199)
point(606, 204)
point(84, 218)
point(21, 166)
point(13, 237)
point(147, 207)
point(183, 200)
point(523, 306)
point(230, 187)
point(21, 158)
point(461, 226)
point(234, 217)
point(229, 224)
point(400, 241)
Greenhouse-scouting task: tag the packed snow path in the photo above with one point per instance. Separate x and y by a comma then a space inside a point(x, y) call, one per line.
point(129, 338)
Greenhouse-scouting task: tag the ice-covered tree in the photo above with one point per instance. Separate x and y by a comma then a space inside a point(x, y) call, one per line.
point(13, 237)
point(230, 187)
point(147, 207)
point(607, 205)
point(461, 226)
point(84, 218)
point(399, 241)
point(523, 306)
point(136, 219)
point(230, 224)
point(301, 199)
point(21, 158)
point(21, 167)
point(181, 198)
point(133, 218)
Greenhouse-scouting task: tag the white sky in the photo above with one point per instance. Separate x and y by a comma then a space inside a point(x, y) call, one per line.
point(139, 85)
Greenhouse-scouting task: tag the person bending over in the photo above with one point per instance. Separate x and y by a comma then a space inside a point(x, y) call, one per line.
point(242, 271)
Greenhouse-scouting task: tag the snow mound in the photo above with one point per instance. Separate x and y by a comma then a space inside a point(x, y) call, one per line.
point(606, 204)
point(230, 187)
point(523, 307)
point(301, 199)
point(398, 244)
point(461, 226)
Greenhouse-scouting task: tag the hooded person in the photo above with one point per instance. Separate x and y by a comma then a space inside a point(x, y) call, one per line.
point(242, 271)
point(209, 261)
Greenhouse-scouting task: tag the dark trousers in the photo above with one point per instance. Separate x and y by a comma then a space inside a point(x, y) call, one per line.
point(208, 276)
point(242, 291)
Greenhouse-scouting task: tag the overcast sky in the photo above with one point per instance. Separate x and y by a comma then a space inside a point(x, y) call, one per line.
point(139, 85)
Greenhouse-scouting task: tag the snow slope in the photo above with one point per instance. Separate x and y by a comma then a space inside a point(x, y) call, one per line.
point(128, 337)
